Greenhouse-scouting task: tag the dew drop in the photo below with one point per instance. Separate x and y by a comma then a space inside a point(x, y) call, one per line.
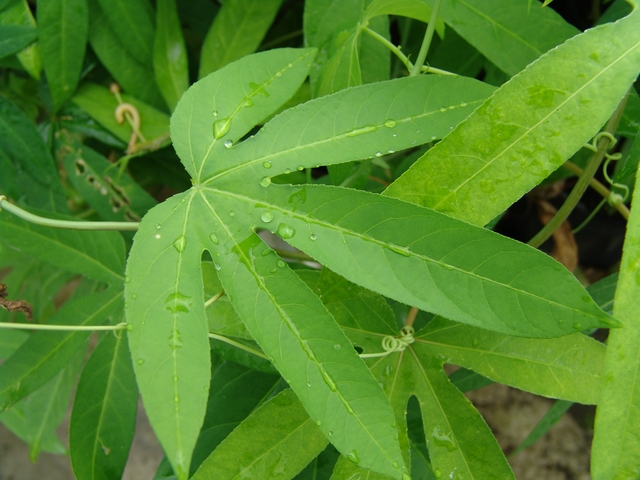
point(266, 164)
point(451, 107)
point(180, 243)
point(265, 182)
point(266, 217)
point(337, 346)
point(221, 127)
point(215, 113)
point(158, 236)
point(285, 231)
point(392, 150)
point(300, 168)
point(313, 236)
point(232, 213)
point(463, 104)
point(217, 266)
point(378, 154)
point(158, 226)
point(443, 109)
point(214, 239)
point(280, 263)
point(176, 399)
point(248, 103)
point(134, 296)
point(330, 433)
point(178, 302)
point(443, 439)
point(352, 456)
point(287, 171)
point(578, 326)
point(318, 422)
point(390, 123)
point(127, 279)
point(140, 361)
point(395, 464)
point(437, 473)
point(228, 143)
point(475, 342)
point(308, 384)
point(273, 270)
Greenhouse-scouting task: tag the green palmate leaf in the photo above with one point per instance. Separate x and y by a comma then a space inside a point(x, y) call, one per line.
point(459, 441)
point(506, 31)
point(252, 90)
point(113, 196)
point(528, 128)
point(132, 23)
point(170, 54)
point(568, 367)
point(44, 354)
point(101, 104)
point(237, 30)
point(98, 255)
point(135, 76)
point(62, 29)
point(14, 38)
point(616, 447)
point(46, 408)
point(25, 155)
point(357, 123)
point(278, 439)
point(104, 412)
point(423, 258)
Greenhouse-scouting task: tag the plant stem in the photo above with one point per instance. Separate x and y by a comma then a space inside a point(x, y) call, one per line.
point(598, 187)
point(69, 224)
point(64, 328)
point(426, 42)
point(411, 317)
point(583, 180)
point(238, 344)
point(403, 58)
point(213, 299)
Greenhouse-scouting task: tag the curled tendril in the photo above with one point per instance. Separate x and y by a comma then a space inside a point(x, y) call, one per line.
point(392, 344)
point(133, 117)
point(614, 198)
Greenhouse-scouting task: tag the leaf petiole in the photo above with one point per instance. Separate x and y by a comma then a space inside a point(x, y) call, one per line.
point(426, 42)
point(68, 328)
point(69, 224)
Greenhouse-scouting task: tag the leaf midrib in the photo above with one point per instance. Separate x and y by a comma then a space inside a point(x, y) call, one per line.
point(528, 131)
point(319, 143)
point(385, 246)
point(285, 317)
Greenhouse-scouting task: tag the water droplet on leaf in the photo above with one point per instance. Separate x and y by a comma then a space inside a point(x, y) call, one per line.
point(228, 143)
point(390, 123)
point(221, 127)
point(285, 231)
point(266, 164)
point(352, 456)
point(281, 263)
point(214, 239)
point(266, 217)
point(180, 243)
point(265, 182)
point(140, 361)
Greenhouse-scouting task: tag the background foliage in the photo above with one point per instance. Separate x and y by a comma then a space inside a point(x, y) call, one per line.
point(226, 133)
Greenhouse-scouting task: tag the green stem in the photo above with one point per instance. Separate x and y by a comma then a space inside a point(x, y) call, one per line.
point(294, 255)
point(598, 187)
point(238, 344)
point(403, 58)
point(69, 224)
point(583, 180)
point(213, 299)
point(426, 42)
point(64, 328)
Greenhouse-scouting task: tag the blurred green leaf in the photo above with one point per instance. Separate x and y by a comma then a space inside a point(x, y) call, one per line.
point(63, 27)
point(14, 38)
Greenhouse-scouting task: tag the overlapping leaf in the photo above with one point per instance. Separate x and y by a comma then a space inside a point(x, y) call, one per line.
point(401, 250)
point(528, 128)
